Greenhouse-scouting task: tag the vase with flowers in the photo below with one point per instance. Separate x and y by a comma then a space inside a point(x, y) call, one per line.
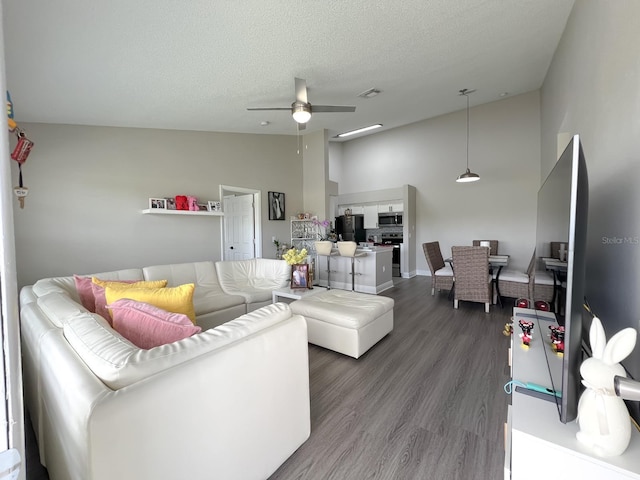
point(293, 256)
point(323, 246)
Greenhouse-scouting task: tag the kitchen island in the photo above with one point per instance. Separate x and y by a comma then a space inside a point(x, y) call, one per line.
point(373, 270)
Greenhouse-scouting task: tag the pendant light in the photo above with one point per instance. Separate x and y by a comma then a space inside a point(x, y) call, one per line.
point(467, 176)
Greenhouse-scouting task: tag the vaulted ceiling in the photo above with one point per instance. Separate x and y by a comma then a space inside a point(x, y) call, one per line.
point(198, 65)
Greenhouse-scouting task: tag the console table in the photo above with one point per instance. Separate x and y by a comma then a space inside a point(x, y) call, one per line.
point(537, 444)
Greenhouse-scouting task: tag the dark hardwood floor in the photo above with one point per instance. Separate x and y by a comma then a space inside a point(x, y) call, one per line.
point(426, 402)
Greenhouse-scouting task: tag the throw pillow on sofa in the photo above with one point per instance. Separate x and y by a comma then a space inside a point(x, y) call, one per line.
point(173, 299)
point(98, 288)
point(148, 326)
point(83, 287)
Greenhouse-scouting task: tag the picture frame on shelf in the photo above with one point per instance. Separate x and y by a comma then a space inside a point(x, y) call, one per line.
point(158, 203)
point(203, 207)
point(171, 203)
point(214, 206)
point(300, 276)
point(276, 205)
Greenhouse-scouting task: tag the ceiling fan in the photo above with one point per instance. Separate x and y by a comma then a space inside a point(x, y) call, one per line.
point(301, 109)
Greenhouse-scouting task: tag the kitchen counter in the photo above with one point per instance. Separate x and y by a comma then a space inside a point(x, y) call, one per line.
point(373, 269)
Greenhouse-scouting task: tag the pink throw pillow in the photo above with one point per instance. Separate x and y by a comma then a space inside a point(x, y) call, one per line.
point(147, 326)
point(85, 292)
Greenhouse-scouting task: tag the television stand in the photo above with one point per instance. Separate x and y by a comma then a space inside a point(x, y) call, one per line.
point(537, 444)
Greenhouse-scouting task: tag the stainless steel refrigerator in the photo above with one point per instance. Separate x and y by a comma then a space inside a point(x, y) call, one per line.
point(351, 228)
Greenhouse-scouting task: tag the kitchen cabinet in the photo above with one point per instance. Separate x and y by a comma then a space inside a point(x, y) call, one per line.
point(355, 209)
point(373, 270)
point(388, 207)
point(370, 216)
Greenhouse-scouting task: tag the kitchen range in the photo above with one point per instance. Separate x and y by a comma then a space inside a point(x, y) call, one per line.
point(396, 240)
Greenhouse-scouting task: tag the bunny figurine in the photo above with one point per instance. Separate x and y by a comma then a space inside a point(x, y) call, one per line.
point(605, 426)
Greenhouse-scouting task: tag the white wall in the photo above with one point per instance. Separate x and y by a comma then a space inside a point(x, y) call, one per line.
point(88, 186)
point(504, 149)
point(592, 89)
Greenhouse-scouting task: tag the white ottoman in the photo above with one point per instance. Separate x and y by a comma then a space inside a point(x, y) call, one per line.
point(345, 322)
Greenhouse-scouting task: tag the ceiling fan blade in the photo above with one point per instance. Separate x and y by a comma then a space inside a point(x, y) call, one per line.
point(332, 108)
point(301, 90)
point(270, 108)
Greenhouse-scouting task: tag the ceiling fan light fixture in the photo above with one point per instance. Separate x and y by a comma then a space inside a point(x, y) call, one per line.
point(301, 112)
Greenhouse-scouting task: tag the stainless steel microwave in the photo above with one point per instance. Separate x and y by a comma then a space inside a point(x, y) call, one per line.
point(389, 219)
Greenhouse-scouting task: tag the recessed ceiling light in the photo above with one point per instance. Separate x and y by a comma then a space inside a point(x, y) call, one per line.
point(264, 123)
point(360, 130)
point(372, 92)
point(504, 94)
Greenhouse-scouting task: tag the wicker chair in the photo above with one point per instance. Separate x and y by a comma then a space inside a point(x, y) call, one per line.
point(493, 244)
point(441, 274)
point(514, 284)
point(473, 281)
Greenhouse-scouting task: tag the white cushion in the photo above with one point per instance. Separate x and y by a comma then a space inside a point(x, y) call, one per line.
point(253, 279)
point(343, 307)
point(118, 363)
point(208, 295)
point(59, 308)
point(512, 276)
point(68, 285)
point(445, 271)
point(543, 278)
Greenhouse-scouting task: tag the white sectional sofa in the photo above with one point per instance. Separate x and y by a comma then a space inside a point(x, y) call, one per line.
point(231, 402)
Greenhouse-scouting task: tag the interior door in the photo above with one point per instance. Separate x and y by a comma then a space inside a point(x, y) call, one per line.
point(239, 231)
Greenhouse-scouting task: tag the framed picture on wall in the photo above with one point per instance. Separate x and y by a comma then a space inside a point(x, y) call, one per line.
point(300, 275)
point(157, 204)
point(276, 206)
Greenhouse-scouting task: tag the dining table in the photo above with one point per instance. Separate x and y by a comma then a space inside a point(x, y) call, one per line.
point(496, 263)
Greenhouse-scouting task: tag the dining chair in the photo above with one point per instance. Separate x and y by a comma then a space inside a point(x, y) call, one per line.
point(493, 245)
point(471, 270)
point(516, 284)
point(546, 288)
point(441, 274)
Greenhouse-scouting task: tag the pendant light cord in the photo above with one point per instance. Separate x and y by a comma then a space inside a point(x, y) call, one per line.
point(467, 95)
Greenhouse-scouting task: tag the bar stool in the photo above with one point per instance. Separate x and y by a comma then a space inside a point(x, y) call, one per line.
point(324, 248)
point(348, 249)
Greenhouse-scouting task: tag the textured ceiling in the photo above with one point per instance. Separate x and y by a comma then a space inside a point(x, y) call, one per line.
point(198, 65)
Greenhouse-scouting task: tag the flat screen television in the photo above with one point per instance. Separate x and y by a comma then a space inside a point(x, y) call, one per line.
point(563, 202)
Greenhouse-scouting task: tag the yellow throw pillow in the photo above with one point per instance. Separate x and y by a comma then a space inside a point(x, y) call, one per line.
point(98, 286)
point(173, 299)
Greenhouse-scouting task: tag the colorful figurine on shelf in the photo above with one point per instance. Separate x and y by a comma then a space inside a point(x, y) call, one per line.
point(508, 328)
point(557, 339)
point(527, 333)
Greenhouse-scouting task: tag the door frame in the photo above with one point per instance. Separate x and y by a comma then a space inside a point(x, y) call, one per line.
point(257, 216)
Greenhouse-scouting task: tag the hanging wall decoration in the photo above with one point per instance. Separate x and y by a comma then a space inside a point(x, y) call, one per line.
point(20, 152)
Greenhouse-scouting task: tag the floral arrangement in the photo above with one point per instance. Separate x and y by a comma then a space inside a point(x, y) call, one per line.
point(295, 256)
point(322, 226)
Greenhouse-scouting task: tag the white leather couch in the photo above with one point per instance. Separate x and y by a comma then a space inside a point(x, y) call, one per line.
point(231, 402)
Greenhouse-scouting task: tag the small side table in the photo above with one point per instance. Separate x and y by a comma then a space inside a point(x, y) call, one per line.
point(294, 293)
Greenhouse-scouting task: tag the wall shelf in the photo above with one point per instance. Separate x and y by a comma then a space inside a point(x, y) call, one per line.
point(159, 211)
